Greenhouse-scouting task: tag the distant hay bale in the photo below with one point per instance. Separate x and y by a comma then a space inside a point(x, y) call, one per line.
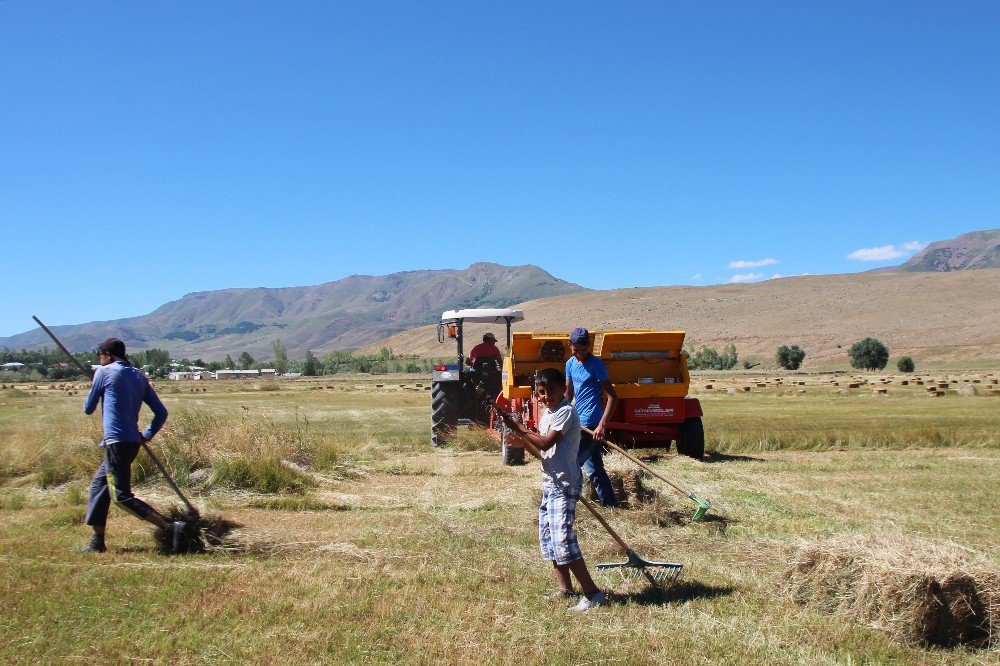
point(917, 591)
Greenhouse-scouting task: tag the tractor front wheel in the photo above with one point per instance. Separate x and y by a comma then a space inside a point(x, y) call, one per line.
point(444, 411)
point(512, 455)
point(692, 441)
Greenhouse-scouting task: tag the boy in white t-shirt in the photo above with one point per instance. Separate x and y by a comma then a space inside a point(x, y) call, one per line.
point(558, 440)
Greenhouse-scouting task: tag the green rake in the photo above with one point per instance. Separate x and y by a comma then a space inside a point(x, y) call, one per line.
point(659, 574)
point(703, 505)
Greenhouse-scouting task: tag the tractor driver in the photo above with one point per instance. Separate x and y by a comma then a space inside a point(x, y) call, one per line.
point(486, 349)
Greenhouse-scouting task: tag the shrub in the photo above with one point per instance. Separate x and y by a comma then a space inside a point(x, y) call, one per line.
point(869, 354)
point(905, 364)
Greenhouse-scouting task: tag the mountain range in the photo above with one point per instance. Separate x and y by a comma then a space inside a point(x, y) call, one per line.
point(922, 308)
point(344, 314)
point(978, 249)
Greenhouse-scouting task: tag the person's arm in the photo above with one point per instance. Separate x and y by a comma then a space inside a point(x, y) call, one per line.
point(159, 413)
point(609, 407)
point(540, 442)
point(569, 384)
point(96, 391)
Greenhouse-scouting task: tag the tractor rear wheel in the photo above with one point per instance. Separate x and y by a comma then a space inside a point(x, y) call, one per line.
point(512, 455)
point(444, 411)
point(692, 441)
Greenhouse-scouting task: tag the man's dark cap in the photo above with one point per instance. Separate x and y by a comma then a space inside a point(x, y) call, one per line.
point(113, 346)
point(489, 336)
point(579, 335)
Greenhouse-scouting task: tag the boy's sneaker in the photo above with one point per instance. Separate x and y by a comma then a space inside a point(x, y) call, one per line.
point(586, 604)
point(178, 529)
point(95, 545)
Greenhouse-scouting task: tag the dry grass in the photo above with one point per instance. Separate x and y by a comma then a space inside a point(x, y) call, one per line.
point(425, 554)
point(915, 590)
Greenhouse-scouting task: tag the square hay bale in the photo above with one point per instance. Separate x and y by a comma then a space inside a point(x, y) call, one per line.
point(917, 591)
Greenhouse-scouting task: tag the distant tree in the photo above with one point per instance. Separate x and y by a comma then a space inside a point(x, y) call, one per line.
point(280, 357)
point(311, 365)
point(246, 361)
point(869, 354)
point(153, 358)
point(412, 367)
point(228, 363)
point(215, 366)
point(790, 358)
point(905, 364)
point(708, 358)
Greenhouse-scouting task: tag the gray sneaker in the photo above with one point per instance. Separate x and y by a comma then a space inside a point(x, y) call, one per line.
point(178, 530)
point(586, 604)
point(96, 545)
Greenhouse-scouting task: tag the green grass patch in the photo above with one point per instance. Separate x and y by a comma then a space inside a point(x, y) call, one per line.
point(264, 475)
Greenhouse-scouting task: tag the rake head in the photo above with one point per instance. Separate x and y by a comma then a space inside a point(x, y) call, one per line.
point(659, 574)
point(703, 507)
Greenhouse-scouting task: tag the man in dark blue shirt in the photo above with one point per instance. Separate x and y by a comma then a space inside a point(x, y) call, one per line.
point(587, 381)
point(121, 390)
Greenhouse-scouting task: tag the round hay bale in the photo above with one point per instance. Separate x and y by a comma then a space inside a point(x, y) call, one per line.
point(917, 591)
point(968, 389)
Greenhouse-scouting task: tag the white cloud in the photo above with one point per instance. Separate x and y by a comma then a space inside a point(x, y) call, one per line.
point(776, 276)
point(746, 277)
point(887, 252)
point(696, 276)
point(883, 253)
point(742, 263)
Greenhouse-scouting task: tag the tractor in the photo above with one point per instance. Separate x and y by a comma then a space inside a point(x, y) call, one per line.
point(647, 369)
point(459, 394)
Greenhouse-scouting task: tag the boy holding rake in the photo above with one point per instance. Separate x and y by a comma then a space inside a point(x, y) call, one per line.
point(557, 442)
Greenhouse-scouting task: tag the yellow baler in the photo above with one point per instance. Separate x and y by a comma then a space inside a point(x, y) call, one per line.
point(647, 369)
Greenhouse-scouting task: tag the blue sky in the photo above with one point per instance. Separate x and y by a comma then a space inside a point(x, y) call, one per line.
point(150, 150)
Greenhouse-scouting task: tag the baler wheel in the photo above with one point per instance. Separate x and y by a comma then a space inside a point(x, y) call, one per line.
point(692, 441)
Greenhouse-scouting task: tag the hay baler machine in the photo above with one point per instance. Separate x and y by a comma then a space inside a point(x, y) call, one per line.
point(648, 371)
point(457, 391)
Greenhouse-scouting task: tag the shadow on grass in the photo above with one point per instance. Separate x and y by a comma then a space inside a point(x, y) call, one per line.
point(678, 593)
point(716, 457)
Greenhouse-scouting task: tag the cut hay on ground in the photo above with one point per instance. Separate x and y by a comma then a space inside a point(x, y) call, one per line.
point(202, 534)
point(919, 592)
point(627, 481)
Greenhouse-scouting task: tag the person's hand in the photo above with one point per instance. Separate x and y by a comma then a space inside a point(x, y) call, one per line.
point(599, 431)
point(142, 438)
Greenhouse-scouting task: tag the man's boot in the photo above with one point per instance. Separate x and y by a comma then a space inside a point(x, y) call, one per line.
point(96, 545)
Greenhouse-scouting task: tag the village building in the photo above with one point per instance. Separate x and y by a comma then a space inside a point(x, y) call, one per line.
point(237, 374)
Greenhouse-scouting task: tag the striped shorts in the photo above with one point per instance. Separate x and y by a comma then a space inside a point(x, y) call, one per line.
point(556, 514)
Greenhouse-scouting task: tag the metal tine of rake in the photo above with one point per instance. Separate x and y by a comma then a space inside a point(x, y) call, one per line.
point(659, 574)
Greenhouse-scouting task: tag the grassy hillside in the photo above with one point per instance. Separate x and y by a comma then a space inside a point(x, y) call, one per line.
point(933, 317)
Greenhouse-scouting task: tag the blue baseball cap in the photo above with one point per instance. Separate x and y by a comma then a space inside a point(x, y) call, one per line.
point(579, 335)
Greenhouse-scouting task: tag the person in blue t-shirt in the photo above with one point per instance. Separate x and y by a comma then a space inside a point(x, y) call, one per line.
point(121, 390)
point(587, 381)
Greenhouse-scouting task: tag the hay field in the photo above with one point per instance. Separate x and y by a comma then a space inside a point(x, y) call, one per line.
point(362, 543)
